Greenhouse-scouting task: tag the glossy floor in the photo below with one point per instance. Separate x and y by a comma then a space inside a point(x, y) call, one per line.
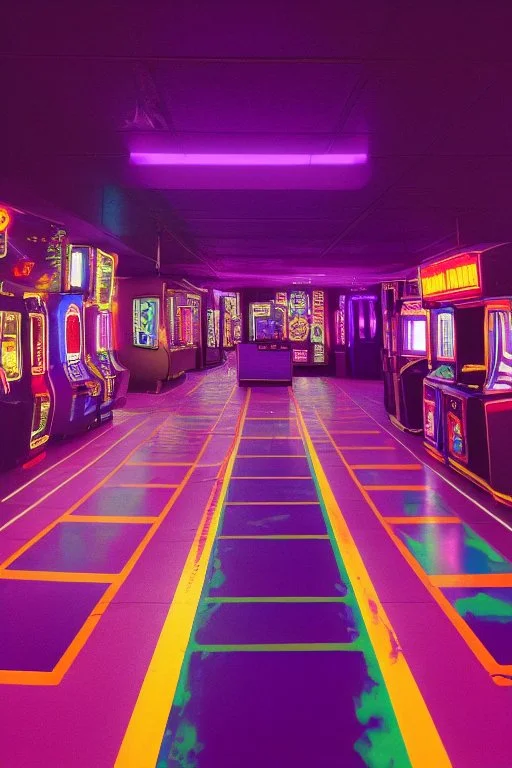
point(266, 578)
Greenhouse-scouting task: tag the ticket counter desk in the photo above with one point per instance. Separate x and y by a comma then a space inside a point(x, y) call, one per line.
point(264, 363)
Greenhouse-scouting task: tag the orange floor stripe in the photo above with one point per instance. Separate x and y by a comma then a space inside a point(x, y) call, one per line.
point(71, 576)
point(387, 466)
point(473, 580)
point(109, 519)
point(395, 487)
point(419, 520)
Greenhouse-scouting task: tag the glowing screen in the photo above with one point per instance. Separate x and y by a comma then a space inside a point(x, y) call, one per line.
point(76, 267)
point(145, 322)
point(73, 333)
point(37, 344)
point(445, 331)
point(10, 345)
point(414, 335)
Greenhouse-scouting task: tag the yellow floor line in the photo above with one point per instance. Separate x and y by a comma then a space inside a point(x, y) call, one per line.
point(423, 743)
point(143, 737)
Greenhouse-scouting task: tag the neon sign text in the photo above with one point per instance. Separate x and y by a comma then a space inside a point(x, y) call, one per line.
point(458, 275)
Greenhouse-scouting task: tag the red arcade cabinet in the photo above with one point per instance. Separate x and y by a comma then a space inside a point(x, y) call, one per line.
point(26, 394)
point(404, 357)
point(468, 392)
point(99, 343)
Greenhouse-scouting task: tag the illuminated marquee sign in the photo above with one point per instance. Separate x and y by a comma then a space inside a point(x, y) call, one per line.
point(261, 310)
point(281, 298)
point(5, 220)
point(318, 326)
point(300, 355)
point(341, 335)
point(457, 276)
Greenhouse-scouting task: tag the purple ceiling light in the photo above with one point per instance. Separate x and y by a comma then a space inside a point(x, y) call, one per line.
point(222, 160)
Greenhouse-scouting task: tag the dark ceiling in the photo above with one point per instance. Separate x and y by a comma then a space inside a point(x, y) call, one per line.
point(425, 88)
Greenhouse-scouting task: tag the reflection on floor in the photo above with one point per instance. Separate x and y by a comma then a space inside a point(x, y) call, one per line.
point(263, 578)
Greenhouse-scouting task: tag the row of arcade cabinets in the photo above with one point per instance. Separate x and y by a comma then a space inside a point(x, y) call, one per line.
point(159, 330)
point(223, 324)
point(304, 319)
point(58, 370)
point(404, 353)
point(467, 408)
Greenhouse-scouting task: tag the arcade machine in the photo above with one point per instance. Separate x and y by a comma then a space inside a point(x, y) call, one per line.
point(99, 344)
point(183, 315)
point(468, 391)
point(159, 331)
point(363, 335)
point(26, 395)
point(404, 357)
point(231, 320)
point(213, 341)
point(78, 390)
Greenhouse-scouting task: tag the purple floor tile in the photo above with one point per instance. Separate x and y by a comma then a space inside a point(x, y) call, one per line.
point(263, 519)
point(40, 619)
point(272, 490)
point(271, 447)
point(259, 568)
point(362, 439)
point(270, 710)
point(126, 502)
point(284, 467)
point(488, 612)
point(248, 623)
point(412, 504)
point(395, 455)
point(271, 428)
point(83, 547)
point(451, 548)
point(134, 474)
point(393, 476)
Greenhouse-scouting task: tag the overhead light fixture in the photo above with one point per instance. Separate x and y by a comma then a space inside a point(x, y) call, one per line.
point(169, 158)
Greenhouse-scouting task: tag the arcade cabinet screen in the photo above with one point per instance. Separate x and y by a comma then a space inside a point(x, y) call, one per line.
point(73, 333)
point(10, 344)
point(414, 335)
point(104, 332)
point(104, 279)
point(37, 344)
point(77, 267)
point(500, 350)
point(145, 322)
point(445, 333)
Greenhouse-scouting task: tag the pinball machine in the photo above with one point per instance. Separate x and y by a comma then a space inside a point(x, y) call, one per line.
point(467, 407)
point(404, 354)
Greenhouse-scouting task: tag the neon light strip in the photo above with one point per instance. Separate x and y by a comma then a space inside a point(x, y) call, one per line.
point(168, 158)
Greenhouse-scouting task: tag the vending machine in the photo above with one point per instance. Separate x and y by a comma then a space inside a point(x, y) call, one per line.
point(100, 353)
point(468, 391)
point(404, 354)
